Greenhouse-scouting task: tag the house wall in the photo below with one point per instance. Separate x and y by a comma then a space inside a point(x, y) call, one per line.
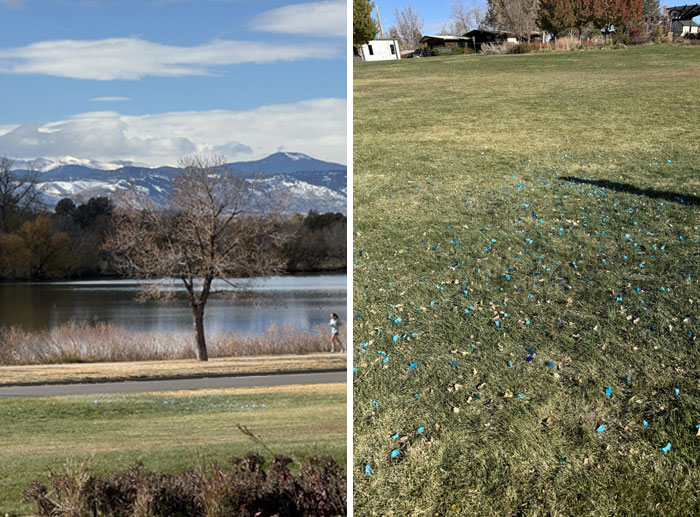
point(381, 50)
point(681, 30)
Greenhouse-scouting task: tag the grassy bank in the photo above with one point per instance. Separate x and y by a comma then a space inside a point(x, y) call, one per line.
point(105, 342)
point(168, 432)
point(104, 372)
point(526, 284)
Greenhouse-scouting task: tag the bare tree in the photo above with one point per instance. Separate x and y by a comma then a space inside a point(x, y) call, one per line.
point(517, 17)
point(465, 17)
point(409, 25)
point(209, 231)
point(18, 192)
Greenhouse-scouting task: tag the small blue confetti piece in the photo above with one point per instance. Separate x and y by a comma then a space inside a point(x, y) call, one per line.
point(521, 396)
point(608, 391)
point(395, 453)
point(395, 436)
point(667, 448)
point(416, 395)
point(600, 429)
point(454, 363)
point(550, 364)
point(678, 392)
point(419, 430)
point(385, 360)
point(395, 338)
point(368, 470)
point(414, 366)
point(646, 424)
point(375, 403)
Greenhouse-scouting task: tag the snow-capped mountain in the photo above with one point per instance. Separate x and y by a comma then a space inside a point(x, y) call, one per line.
point(301, 182)
point(48, 164)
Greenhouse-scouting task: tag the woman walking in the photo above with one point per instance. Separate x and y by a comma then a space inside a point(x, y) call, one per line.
point(335, 338)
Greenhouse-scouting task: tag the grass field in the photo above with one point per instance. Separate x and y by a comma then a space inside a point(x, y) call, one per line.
point(526, 258)
point(167, 431)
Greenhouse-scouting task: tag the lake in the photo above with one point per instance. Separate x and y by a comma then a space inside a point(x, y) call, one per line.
point(300, 302)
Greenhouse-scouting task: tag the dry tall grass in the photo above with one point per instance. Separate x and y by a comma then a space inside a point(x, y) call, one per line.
point(105, 342)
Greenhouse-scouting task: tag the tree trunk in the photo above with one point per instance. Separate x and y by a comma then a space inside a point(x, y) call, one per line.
point(201, 349)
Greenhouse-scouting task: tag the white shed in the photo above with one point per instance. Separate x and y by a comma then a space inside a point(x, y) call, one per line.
point(378, 50)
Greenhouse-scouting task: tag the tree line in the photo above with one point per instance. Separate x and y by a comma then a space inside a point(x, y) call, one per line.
point(37, 243)
point(635, 19)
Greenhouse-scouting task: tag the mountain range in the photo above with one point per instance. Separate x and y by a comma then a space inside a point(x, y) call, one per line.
point(303, 182)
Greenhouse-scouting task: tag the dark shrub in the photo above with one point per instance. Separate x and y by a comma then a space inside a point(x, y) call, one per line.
point(244, 489)
point(522, 48)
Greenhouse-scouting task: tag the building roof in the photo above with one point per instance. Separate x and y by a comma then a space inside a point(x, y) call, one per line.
point(683, 12)
point(445, 37)
point(688, 23)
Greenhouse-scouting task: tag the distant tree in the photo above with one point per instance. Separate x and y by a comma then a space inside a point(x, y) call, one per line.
point(319, 241)
point(516, 17)
point(555, 16)
point(618, 15)
point(36, 253)
point(465, 18)
point(409, 25)
point(394, 34)
point(209, 231)
point(364, 28)
point(14, 257)
point(65, 207)
point(583, 14)
point(19, 193)
point(633, 17)
point(652, 14)
point(90, 213)
point(444, 31)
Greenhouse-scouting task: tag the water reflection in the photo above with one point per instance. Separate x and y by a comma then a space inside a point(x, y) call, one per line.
point(300, 302)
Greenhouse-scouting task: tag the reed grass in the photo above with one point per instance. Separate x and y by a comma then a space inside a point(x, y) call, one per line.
point(85, 341)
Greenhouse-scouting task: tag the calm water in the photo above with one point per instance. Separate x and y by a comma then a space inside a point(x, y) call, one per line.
point(300, 302)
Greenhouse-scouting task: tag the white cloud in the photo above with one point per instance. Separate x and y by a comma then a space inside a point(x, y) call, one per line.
point(327, 18)
point(316, 127)
point(133, 58)
point(110, 99)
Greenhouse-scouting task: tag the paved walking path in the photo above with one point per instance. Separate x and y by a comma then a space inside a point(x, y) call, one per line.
point(173, 384)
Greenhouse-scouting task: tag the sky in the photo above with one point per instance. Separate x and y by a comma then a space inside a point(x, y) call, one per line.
point(152, 81)
point(434, 14)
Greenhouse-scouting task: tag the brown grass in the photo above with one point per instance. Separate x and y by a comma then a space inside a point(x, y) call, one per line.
point(92, 372)
point(81, 342)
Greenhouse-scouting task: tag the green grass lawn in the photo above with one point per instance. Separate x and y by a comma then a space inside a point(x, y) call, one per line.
point(526, 260)
point(168, 432)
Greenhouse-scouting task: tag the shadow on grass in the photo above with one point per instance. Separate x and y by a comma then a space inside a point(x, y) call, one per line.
point(683, 199)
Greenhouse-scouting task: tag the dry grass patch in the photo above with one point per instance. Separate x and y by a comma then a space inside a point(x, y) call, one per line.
point(93, 372)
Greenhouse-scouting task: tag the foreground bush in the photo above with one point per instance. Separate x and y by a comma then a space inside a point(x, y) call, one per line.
point(242, 489)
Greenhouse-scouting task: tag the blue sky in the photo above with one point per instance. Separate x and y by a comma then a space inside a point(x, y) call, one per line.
point(434, 14)
point(151, 81)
